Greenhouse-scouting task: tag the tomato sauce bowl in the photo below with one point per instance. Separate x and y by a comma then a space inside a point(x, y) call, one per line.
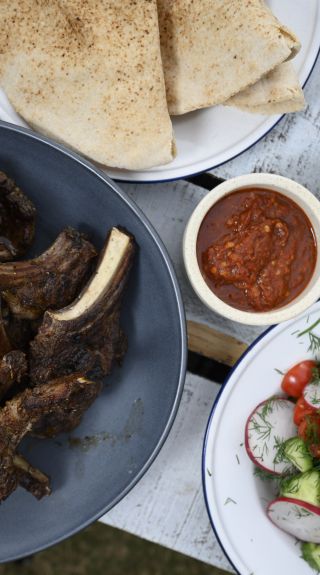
point(251, 249)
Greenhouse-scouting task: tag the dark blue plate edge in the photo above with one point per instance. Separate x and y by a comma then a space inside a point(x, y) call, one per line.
point(224, 161)
point(182, 320)
point(205, 441)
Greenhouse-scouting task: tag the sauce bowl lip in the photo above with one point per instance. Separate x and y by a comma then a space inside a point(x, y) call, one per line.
point(285, 186)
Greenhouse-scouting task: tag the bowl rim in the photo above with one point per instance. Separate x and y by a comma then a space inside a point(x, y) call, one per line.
point(285, 186)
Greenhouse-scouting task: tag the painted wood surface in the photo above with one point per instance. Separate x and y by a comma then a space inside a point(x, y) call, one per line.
point(167, 506)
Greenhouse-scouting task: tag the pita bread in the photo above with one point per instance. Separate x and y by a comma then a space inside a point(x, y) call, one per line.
point(213, 49)
point(89, 73)
point(278, 92)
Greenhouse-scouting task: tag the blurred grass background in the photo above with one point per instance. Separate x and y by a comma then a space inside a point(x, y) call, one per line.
point(102, 550)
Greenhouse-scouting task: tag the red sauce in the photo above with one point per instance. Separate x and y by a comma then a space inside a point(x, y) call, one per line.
point(256, 249)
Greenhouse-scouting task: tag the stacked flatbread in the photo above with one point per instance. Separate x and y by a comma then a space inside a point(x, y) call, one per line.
point(104, 76)
point(214, 49)
point(89, 73)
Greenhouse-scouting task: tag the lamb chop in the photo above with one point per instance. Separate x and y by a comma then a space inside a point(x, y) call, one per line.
point(17, 220)
point(22, 413)
point(13, 368)
point(50, 281)
point(86, 336)
point(5, 343)
point(30, 478)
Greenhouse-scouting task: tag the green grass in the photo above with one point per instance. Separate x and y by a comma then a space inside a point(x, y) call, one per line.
point(101, 550)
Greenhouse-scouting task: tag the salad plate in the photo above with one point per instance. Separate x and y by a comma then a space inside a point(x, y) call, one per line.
point(235, 496)
point(210, 137)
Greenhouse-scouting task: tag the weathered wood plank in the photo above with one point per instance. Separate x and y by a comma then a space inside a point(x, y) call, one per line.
point(167, 506)
point(214, 344)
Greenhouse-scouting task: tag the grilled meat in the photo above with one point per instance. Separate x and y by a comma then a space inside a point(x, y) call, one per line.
point(5, 343)
point(86, 336)
point(31, 478)
point(21, 414)
point(13, 367)
point(50, 281)
point(17, 220)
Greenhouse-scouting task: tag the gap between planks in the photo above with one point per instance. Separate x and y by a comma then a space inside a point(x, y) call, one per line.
point(213, 344)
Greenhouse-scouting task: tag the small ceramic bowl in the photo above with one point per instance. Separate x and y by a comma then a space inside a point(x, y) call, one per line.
point(295, 192)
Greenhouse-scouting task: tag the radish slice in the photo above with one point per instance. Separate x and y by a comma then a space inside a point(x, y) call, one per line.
point(311, 394)
point(295, 517)
point(268, 426)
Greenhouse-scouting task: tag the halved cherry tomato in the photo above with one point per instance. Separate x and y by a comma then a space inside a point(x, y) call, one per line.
point(302, 408)
point(297, 378)
point(309, 431)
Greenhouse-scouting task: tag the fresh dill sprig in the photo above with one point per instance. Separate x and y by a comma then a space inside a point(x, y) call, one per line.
point(265, 475)
point(230, 500)
point(314, 339)
point(290, 484)
point(279, 371)
point(280, 448)
point(301, 512)
point(315, 378)
point(267, 408)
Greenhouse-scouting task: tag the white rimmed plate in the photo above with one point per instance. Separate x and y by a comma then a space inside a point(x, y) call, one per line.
point(208, 138)
point(236, 499)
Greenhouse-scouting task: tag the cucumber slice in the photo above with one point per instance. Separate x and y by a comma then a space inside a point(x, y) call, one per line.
point(311, 554)
point(295, 451)
point(305, 487)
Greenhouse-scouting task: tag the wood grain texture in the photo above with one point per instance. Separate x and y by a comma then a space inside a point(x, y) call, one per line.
point(214, 344)
point(167, 506)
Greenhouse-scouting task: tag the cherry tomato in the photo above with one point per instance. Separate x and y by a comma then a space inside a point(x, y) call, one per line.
point(315, 450)
point(309, 431)
point(297, 378)
point(302, 408)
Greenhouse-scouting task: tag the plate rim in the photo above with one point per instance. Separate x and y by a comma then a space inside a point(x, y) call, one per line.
point(237, 155)
point(207, 431)
point(182, 325)
point(281, 327)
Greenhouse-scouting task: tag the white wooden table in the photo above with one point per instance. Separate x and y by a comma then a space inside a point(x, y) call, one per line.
point(167, 505)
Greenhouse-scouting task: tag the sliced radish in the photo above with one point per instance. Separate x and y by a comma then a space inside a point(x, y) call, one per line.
point(296, 517)
point(269, 425)
point(311, 394)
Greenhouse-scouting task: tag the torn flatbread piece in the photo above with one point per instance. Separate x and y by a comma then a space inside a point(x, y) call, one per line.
point(279, 92)
point(89, 73)
point(213, 49)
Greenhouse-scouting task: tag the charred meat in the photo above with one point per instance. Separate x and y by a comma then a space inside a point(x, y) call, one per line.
point(31, 478)
point(86, 336)
point(17, 220)
point(5, 343)
point(13, 368)
point(21, 414)
point(50, 281)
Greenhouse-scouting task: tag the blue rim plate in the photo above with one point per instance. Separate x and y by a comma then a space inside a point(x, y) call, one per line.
point(121, 434)
point(236, 499)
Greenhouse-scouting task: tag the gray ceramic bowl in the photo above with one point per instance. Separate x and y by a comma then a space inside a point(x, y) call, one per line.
point(126, 427)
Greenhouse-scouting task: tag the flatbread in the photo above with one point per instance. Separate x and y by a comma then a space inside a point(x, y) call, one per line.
point(213, 49)
point(89, 74)
point(279, 92)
